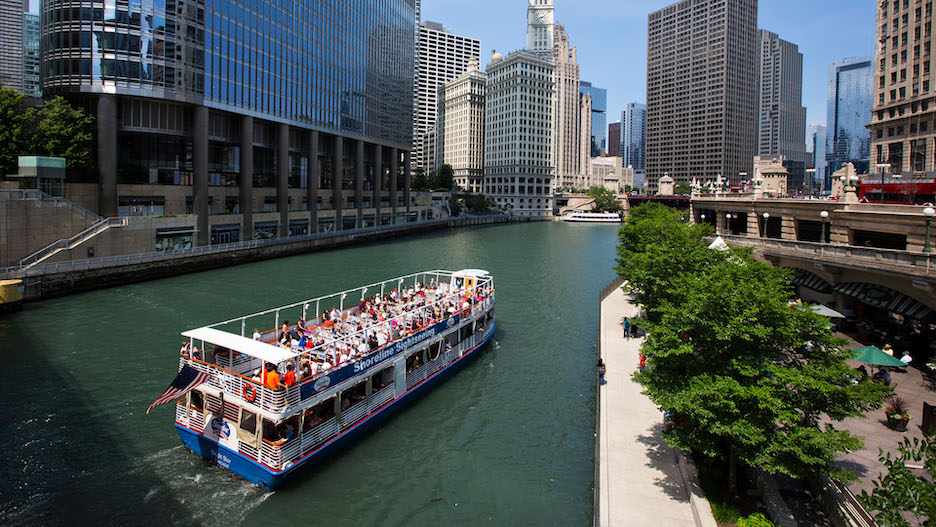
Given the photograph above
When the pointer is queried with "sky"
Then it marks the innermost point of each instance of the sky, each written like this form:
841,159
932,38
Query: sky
611,38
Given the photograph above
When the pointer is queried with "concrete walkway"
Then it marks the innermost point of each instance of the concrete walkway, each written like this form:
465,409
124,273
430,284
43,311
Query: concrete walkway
639,480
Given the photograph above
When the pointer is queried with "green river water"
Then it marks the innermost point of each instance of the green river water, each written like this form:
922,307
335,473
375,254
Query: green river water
509,440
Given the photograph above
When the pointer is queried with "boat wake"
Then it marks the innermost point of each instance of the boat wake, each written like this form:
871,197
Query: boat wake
208,495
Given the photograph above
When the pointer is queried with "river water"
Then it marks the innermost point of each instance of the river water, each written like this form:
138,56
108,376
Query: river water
509,440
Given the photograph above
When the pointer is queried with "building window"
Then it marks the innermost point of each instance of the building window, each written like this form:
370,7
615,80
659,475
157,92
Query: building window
895,156
174,239
918,155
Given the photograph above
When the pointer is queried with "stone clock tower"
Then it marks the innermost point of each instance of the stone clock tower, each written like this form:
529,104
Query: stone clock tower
540,26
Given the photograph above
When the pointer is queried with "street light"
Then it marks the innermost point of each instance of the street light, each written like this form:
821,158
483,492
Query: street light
885,167
928,212
825,216
728,223
764,228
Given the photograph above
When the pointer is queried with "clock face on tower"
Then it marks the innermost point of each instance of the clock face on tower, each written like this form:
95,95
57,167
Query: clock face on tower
539,17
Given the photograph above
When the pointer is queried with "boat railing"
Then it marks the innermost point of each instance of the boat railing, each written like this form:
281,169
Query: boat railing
381,397
319,434
354,413
193,418
235,385
276,456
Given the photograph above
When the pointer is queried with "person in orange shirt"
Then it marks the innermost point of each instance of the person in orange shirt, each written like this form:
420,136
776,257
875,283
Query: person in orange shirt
290,378
272,379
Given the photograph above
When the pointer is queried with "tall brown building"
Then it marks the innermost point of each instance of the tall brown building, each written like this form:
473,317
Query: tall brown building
902,121
701,96
614,139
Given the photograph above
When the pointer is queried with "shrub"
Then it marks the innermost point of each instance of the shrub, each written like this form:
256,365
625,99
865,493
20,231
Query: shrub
755,520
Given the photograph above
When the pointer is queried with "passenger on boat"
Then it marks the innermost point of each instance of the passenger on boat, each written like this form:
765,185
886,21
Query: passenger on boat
300,325
256,334
272,379
290,378
184,350
284,329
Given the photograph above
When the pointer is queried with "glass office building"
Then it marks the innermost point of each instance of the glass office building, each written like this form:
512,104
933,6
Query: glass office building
849,113
599,116
293,116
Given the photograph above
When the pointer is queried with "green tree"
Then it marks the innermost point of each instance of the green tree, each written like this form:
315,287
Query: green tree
444,177
682,189
605,200
419,180
727,356
901,493
16,130
477,203
65,131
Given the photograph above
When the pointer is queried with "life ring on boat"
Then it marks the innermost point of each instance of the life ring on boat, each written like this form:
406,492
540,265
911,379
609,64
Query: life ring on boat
250,393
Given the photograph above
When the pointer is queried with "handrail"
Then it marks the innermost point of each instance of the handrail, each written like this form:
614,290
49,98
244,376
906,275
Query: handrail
925,262
70,243
31,193
141,258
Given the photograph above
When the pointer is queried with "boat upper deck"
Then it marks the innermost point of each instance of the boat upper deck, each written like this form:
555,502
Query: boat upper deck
335,335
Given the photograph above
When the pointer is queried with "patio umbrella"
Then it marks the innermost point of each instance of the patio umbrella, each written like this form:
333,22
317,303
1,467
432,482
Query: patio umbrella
874,355
818,309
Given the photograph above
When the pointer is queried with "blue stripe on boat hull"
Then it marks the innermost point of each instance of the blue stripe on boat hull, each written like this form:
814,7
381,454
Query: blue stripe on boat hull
265,478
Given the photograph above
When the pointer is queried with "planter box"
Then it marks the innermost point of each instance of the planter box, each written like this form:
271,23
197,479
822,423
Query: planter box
897,423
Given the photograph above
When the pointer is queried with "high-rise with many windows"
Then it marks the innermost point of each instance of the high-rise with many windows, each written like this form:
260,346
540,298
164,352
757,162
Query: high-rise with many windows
848,115
518,168
31,58
599,117
11,42
264,118
633,142
781,118
700,95
903,121
461,119
443,56
614,139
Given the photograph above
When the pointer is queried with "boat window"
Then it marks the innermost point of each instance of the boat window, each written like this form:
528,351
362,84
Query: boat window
198,400
248,421
319,413
278,433
434,350
382,379
414,361
464,332
354,395
451,339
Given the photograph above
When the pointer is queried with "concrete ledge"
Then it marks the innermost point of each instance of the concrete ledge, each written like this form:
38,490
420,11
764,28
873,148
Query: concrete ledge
777,508
701,509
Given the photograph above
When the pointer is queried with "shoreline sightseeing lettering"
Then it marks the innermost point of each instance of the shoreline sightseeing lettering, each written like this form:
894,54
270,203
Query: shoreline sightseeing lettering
230,410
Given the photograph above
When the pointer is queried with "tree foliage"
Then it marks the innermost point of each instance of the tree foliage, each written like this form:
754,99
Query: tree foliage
16,130
477,203
605,200
900,493
727,356
419,179
682,189
65,131
444,177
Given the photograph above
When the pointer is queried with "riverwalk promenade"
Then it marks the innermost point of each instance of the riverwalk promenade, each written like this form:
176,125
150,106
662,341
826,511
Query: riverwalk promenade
639,478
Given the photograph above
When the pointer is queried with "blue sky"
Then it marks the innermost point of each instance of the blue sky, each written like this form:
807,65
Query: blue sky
611,36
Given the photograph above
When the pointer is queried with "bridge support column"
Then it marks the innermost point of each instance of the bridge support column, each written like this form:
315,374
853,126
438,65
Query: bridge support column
753,226
721,223
787,228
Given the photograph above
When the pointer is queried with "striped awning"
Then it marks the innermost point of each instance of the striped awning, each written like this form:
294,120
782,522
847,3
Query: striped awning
887,299
811,281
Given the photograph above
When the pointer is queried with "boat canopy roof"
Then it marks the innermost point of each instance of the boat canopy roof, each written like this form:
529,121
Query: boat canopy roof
248,346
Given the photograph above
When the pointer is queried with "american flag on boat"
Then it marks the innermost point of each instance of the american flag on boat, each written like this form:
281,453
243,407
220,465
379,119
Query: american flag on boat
187,380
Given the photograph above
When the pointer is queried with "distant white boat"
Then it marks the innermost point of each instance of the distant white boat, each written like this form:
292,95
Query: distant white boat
591,217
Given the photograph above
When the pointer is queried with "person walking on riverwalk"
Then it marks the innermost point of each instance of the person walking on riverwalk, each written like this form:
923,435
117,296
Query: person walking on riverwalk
627,329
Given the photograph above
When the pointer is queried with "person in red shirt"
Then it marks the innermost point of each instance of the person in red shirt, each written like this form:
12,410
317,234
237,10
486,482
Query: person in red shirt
290,378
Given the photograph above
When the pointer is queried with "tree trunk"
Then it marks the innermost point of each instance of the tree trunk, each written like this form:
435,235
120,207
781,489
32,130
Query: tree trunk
732,473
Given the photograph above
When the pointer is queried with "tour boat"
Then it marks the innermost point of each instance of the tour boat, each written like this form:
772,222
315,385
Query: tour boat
591,217
425,327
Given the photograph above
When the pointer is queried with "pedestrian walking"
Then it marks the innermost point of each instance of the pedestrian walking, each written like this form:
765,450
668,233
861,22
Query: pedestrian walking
627,329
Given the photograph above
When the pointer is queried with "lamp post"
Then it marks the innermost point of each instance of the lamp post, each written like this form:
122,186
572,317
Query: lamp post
764,228
811,174
728,223
703,217
883,167
928,212
825,216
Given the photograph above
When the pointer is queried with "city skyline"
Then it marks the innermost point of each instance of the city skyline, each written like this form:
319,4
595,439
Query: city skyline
833,31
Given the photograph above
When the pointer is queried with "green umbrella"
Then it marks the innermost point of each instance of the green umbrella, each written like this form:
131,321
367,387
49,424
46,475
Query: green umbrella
874,355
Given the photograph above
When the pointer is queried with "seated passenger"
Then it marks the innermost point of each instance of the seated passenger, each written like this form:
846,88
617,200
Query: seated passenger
272,379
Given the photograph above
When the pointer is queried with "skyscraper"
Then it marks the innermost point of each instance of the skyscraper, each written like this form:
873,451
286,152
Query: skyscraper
902,132
816,146
461,119
781,120
633,142
303,111
442,57
599,119
11,42
700,95
570,124
614,139
849,112
540,31
518,168
31,58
